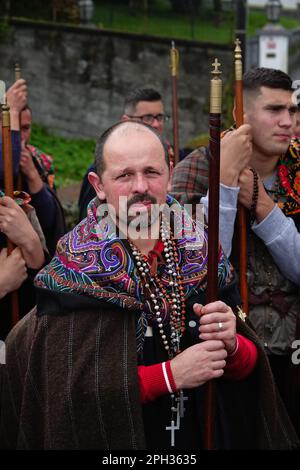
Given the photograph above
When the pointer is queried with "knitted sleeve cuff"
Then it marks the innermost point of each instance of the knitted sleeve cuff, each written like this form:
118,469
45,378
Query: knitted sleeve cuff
241,362
155,380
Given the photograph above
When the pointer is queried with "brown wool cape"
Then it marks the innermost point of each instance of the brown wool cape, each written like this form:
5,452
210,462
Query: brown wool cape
70,382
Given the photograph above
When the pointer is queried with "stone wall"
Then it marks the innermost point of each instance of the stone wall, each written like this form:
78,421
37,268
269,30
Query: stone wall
78,76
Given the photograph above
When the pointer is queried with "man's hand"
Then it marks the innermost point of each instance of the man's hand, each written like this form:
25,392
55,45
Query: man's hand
13,222
236,151
16,99
217,322
17,95
264,203
28,169
13,271
16,226
198,364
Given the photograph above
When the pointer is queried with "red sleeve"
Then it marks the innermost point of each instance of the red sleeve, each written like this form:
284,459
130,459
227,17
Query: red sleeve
241,363
155,380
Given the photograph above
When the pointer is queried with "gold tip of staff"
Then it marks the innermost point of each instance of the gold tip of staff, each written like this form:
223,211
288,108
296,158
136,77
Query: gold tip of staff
216,88
174,61
237,50
215,72
238,60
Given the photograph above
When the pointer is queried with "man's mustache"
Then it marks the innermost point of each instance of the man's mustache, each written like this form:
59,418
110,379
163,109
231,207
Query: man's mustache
141,198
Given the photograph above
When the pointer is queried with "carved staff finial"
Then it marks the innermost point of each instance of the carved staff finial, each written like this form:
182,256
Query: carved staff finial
216,89
216,64
237,43
238,60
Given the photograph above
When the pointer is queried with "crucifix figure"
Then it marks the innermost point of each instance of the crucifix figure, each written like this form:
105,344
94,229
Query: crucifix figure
173,428
175,418
180,400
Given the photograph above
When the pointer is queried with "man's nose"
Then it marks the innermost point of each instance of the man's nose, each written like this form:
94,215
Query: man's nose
156,124
287,119
140,184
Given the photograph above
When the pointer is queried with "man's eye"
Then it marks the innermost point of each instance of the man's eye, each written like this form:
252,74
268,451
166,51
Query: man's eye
124,175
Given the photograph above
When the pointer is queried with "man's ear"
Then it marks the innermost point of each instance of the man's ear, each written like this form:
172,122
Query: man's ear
96,182
124,117
170,176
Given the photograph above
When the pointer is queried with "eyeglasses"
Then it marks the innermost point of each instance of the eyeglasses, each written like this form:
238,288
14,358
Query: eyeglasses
149,118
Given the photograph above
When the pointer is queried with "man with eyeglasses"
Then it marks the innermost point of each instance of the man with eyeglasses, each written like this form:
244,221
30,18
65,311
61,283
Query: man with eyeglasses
143,105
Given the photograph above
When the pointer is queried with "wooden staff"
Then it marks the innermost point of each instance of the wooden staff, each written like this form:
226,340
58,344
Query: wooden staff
213,226
20,176
174,74
9,190
242,215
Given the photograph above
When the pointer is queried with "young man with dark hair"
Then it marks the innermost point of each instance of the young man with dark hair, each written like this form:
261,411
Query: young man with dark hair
260,168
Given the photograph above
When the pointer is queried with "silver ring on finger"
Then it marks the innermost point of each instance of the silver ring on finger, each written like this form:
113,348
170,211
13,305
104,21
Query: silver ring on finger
220,325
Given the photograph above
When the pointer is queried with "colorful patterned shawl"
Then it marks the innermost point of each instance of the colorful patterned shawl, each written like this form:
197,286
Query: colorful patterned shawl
289,178
92,260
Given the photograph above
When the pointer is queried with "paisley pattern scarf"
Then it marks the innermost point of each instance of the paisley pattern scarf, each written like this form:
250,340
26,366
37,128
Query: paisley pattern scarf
92,260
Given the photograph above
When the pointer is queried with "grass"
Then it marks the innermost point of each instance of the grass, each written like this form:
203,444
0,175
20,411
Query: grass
71,156
165,23
161,21
258,19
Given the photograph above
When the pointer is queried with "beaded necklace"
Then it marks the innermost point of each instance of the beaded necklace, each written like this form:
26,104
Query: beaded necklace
154,289
157,293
